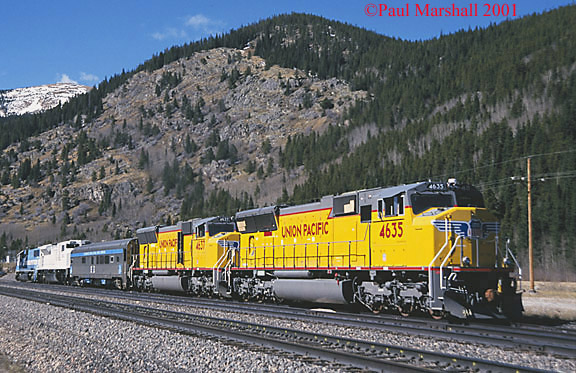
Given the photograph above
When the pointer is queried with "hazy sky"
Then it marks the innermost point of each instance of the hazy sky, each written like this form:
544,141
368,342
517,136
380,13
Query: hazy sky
43,42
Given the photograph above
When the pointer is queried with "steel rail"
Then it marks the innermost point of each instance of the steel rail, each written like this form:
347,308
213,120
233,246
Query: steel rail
555,342
365,355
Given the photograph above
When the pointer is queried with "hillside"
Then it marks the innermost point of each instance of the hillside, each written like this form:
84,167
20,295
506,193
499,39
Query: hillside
216,120
296,107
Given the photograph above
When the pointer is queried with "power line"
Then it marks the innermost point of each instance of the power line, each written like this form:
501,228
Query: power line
552,153
523,158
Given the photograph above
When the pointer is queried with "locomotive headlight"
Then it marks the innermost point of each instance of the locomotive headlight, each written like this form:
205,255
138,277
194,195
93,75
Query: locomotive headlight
466,262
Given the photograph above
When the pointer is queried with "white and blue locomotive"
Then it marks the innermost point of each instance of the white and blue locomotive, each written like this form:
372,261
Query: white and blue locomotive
48,263
26,263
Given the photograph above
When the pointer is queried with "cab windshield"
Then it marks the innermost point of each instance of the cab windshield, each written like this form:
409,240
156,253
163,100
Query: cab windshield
215,228
425,201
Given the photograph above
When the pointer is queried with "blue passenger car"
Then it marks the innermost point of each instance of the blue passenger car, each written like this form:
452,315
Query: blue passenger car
102,263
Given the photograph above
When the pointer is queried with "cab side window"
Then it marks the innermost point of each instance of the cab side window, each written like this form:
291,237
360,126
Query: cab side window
201,231
391,206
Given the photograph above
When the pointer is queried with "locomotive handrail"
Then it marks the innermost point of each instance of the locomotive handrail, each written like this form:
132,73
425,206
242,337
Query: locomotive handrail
442,286
227,270
305,243
509,252
215,268
430,282
291,256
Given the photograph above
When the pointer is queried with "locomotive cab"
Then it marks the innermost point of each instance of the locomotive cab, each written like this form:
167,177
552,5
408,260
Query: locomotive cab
465,272
22,269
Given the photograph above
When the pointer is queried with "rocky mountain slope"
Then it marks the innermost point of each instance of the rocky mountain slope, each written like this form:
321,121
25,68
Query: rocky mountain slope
185,114
32,100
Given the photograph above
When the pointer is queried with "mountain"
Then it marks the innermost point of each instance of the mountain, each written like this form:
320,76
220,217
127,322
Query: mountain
213,121
37,99
295,107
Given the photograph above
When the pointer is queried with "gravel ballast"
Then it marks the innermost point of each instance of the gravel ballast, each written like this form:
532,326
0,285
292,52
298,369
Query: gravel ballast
43,338
80,341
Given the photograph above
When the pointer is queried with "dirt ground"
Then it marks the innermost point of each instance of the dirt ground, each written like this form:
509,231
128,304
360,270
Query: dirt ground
7,366
555,300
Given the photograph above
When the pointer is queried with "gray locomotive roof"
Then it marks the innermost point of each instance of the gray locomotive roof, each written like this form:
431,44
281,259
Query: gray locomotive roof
202,221
326,201
169,228
195,222
109,245
146,230
258,211
391,191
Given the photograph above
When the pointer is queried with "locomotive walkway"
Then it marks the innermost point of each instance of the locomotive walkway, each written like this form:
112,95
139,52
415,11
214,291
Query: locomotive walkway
344,351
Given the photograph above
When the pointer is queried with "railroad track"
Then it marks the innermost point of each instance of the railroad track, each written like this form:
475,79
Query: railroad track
346,353
554,341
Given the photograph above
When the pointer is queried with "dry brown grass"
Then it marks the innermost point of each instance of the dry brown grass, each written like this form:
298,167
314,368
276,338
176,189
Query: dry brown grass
551,299
7,366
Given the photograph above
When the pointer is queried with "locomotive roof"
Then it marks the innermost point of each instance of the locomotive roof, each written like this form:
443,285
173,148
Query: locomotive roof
326,201
184,225
199,222
257,211
146,229
118,244
169,228
391,191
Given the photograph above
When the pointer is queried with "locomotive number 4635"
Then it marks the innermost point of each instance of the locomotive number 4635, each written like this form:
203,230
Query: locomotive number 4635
392,230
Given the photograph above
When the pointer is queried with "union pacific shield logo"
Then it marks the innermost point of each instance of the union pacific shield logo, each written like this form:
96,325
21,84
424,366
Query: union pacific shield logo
229,244
461,228
474,228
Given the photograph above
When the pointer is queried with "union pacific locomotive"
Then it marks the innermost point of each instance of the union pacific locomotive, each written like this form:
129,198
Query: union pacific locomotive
429,247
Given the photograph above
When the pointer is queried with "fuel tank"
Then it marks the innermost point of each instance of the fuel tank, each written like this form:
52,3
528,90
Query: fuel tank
169,283
314,290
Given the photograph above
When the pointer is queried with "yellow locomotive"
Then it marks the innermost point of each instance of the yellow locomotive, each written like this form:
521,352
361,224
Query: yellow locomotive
425,246
182,257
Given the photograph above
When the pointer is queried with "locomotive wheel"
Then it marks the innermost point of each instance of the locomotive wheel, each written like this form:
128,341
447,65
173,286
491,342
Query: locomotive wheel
405,310
436,315
377,308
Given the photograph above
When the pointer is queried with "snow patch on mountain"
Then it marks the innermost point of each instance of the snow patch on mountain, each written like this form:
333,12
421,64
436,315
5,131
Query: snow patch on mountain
36,99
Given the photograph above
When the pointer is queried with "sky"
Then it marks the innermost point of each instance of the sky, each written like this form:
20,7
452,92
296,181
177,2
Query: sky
84,41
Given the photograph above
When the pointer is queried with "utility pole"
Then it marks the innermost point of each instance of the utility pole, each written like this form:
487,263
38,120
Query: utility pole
530,248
